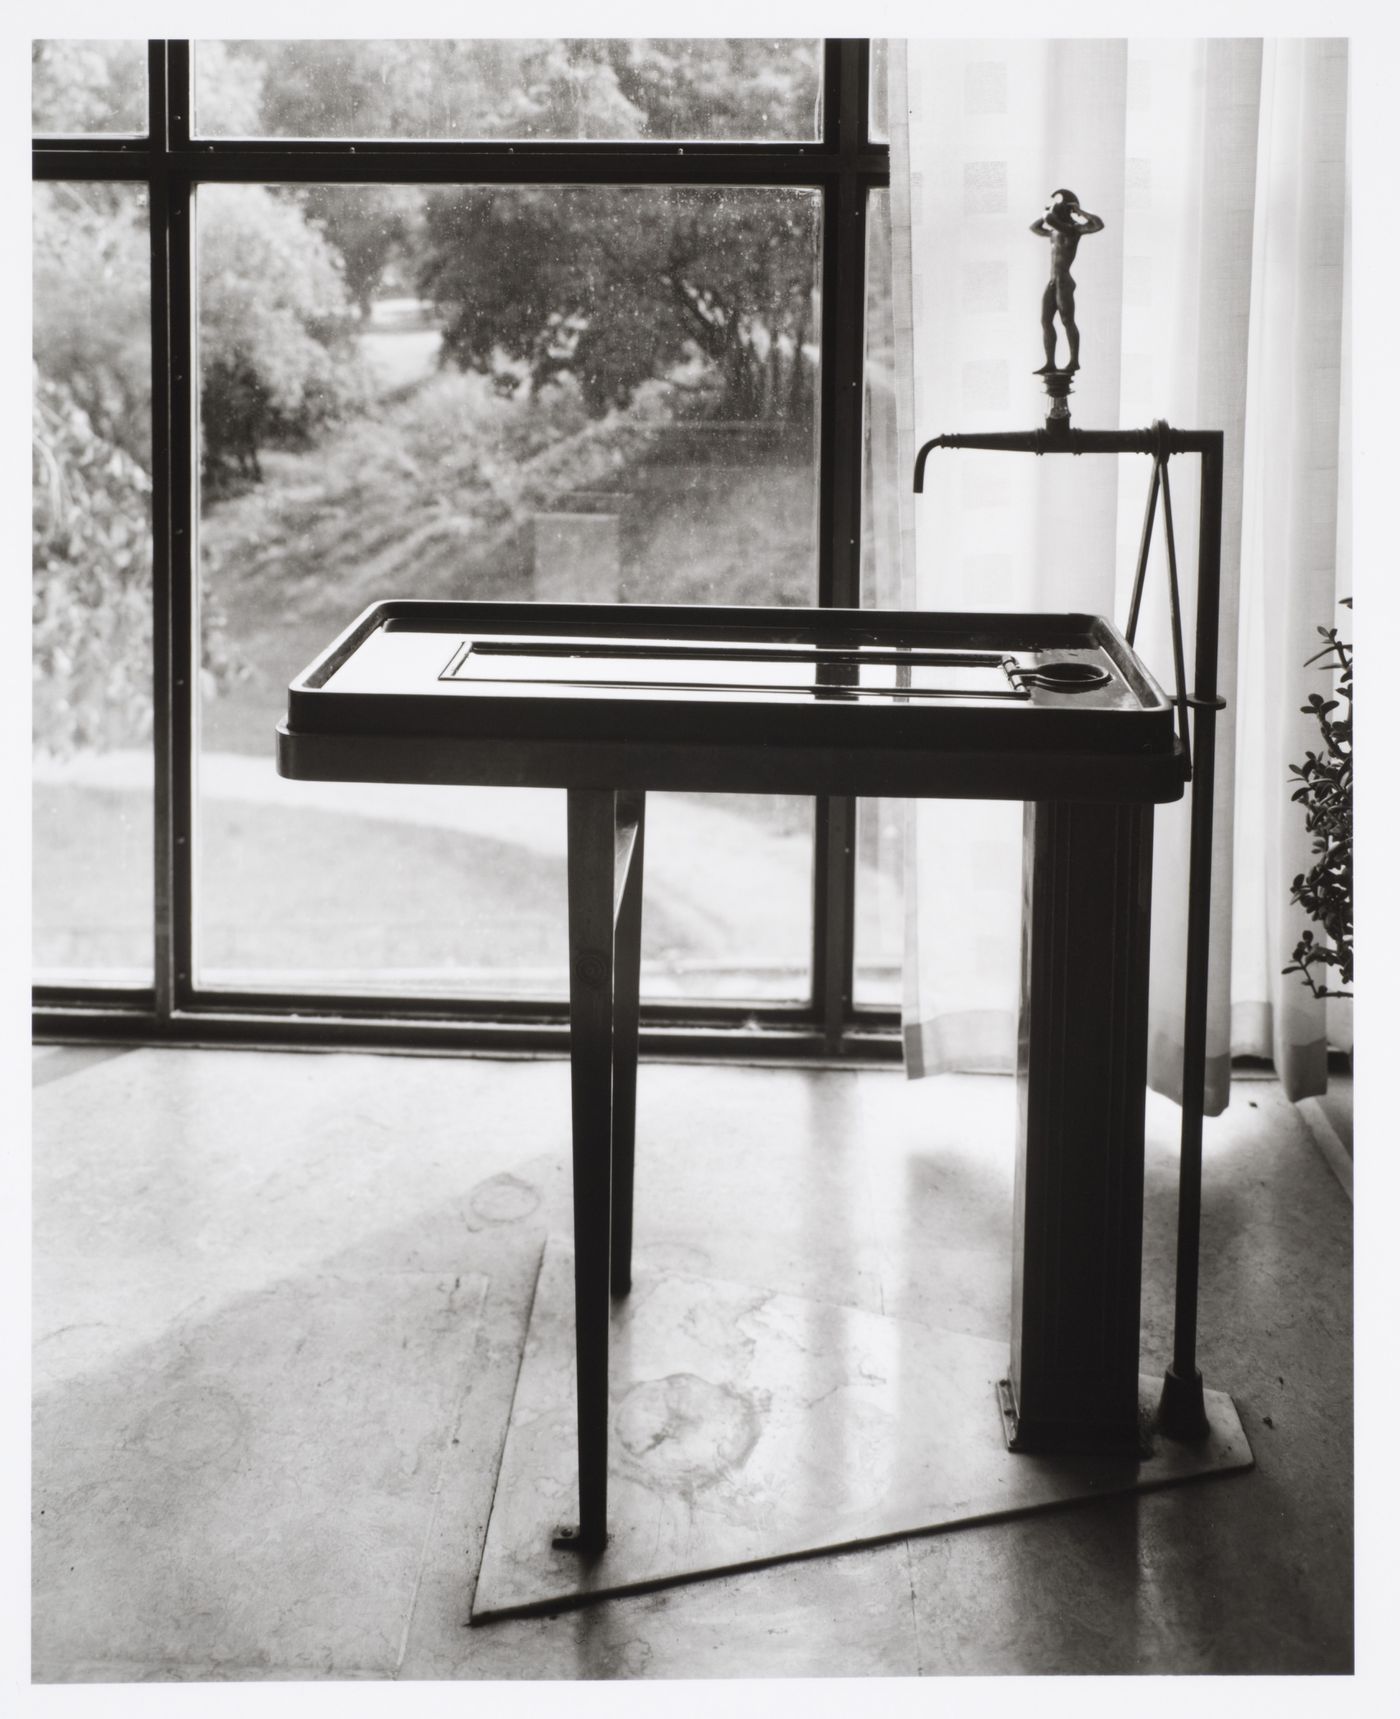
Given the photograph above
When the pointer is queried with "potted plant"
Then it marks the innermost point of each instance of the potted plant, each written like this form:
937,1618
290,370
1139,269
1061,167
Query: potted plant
1324,890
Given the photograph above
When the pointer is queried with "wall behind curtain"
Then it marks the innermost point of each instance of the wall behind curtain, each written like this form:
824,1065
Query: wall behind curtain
1214,299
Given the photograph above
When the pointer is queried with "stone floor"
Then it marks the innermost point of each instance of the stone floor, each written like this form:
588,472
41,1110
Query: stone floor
279,1306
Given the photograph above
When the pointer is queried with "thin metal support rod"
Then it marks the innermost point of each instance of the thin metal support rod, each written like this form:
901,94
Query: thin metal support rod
1144,549
1183,719
1182,1412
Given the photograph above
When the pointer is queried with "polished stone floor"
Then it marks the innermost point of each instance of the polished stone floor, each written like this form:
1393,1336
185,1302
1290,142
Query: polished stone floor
279,1308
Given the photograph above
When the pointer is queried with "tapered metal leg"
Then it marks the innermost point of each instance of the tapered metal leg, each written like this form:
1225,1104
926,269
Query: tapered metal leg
592,864
627,961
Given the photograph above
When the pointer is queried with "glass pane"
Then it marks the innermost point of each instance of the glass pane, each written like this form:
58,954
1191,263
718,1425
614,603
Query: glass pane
879,90
879,964
879,549
81,88
880,823
673,89
92,712
727,909
583,393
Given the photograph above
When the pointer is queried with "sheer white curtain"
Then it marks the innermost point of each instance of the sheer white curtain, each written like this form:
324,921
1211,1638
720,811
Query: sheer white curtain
1213,298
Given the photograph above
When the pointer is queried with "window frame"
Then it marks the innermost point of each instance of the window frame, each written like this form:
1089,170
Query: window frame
844,165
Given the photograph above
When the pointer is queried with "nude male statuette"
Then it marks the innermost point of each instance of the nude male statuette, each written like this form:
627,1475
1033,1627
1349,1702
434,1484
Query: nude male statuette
1064,231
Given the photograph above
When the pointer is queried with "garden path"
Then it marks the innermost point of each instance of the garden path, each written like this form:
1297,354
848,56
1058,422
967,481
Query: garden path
692,839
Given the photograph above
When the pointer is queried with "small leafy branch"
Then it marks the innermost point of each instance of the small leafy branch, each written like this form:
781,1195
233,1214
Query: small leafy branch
1325,791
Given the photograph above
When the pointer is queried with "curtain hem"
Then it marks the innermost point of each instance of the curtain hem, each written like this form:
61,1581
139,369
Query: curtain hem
969,1041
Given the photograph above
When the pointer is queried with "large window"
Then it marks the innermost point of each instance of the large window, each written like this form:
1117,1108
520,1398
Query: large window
524,319
92,710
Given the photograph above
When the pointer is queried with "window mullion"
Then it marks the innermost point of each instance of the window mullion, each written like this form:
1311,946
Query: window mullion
174,473
843,347
162,583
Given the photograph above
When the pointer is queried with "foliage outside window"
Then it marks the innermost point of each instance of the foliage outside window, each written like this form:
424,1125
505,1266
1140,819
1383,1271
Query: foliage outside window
87,87
599,89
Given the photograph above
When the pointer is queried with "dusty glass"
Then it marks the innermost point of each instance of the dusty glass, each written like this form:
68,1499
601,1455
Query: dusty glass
677,90
879,90
582,393
880,823
879,954
84,88
92,709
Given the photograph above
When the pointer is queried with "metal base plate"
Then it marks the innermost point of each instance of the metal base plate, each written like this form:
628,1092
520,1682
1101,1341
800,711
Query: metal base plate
749,1428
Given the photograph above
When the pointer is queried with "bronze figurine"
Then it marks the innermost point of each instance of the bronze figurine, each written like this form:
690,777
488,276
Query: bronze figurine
1059,225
